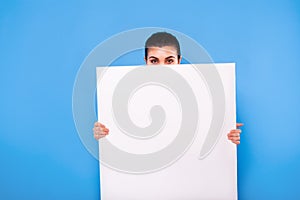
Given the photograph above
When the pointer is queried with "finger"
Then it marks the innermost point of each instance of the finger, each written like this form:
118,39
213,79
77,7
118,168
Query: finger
236,131
100,129
105,130
239,124
98,124
104,133
97,129
234,135
100,135
97,137
235,140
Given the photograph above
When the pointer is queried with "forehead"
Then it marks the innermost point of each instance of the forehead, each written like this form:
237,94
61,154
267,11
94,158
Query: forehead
162,51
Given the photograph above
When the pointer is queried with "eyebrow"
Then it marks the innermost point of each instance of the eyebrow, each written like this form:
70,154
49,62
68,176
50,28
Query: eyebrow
165,58
169,57
153,57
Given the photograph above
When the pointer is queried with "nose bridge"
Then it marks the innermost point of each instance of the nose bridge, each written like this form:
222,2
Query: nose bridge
160,60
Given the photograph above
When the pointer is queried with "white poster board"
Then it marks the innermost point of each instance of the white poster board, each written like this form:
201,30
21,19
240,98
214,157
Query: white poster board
168,132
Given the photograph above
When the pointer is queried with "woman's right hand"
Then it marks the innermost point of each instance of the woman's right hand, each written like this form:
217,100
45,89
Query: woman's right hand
100,130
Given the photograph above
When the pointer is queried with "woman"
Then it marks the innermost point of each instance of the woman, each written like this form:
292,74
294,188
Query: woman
163,49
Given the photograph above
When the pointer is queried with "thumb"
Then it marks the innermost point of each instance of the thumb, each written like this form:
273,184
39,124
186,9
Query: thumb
239,125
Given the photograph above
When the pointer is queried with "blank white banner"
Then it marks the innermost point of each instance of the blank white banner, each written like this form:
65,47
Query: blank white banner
168,132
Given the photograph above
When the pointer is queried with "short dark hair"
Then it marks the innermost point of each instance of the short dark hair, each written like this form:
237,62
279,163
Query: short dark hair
161,39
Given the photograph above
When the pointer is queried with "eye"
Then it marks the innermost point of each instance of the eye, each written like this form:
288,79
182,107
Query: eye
170,61
153,61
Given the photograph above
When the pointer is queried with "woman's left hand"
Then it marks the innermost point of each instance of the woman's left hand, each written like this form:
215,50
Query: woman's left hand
234,135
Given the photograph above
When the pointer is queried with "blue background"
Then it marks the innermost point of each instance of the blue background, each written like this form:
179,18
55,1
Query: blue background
43,43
